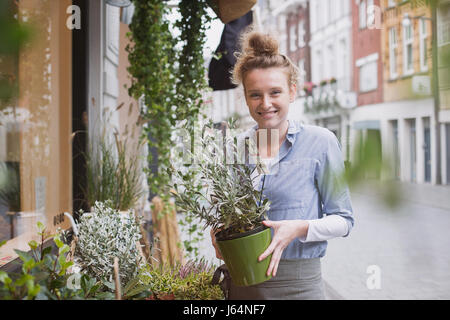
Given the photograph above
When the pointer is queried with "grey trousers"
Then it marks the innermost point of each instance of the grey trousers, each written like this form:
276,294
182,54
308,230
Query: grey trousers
295,280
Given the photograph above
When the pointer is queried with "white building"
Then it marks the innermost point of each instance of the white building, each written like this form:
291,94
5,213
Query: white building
331,58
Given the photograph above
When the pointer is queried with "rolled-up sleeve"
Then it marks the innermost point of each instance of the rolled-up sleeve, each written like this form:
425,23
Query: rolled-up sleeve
331,184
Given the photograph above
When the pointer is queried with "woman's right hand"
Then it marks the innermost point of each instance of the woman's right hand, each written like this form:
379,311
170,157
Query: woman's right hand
214,243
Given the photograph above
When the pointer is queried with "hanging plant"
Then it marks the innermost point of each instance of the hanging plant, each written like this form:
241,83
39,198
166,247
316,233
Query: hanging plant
170,82
151,54
191,80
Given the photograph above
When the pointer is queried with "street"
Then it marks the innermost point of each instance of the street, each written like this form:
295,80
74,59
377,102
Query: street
400,253
391,253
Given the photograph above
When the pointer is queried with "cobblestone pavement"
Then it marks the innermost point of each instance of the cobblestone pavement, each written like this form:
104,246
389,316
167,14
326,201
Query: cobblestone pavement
408,247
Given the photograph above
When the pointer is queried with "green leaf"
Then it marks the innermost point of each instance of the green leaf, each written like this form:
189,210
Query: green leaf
33,244
45,251
40,226
58,241
4,277
65,248
24,256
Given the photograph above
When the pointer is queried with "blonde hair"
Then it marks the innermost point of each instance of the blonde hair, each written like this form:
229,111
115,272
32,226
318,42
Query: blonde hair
261,51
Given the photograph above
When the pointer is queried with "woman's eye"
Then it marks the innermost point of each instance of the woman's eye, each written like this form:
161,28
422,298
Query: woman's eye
254,95
275,92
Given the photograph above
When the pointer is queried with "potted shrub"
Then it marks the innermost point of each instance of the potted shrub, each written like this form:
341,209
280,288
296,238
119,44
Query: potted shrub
182,281
228,202
104,234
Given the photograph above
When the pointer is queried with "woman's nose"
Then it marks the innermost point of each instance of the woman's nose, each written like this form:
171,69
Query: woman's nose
266,102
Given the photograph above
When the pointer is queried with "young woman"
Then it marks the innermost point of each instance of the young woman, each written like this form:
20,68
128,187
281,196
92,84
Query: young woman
309,202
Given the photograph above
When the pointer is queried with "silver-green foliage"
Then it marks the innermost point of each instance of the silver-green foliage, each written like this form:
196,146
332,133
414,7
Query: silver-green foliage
227,198
104,234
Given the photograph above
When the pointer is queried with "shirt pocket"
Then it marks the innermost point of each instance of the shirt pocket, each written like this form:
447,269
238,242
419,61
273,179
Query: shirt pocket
293,183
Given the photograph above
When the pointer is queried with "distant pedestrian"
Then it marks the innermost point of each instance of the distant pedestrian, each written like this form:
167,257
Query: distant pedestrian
309,202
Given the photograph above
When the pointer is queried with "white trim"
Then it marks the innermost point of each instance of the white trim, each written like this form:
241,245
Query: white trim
370,58
423,36
405,51
95,63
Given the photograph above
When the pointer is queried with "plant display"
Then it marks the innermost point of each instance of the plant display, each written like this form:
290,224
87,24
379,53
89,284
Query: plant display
168,79
104,234
44,275
228,199
189,281
113,172
9,186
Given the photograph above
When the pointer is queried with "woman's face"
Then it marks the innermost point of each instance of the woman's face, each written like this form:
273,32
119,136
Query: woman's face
268,95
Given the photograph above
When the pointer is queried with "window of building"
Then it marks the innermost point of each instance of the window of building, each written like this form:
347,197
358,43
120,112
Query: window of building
301,34
393,50
408,39
35,128
302,75
292,38
362,14
319,64
370,13
368,77
331,61
443,24
330,6
391,3
423,34
318,15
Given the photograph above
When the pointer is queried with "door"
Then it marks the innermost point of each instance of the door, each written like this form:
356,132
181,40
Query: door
427,148
447,144
412,146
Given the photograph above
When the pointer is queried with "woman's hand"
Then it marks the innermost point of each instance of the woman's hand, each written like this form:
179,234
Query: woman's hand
214,243
284,232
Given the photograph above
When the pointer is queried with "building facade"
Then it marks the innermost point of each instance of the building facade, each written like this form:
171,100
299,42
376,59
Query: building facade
443,39
70,76
407,114
332,98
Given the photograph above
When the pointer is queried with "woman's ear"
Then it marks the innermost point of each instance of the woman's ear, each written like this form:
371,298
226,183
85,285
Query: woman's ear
292,92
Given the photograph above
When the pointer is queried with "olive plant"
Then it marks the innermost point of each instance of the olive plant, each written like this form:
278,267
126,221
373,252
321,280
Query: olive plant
227,198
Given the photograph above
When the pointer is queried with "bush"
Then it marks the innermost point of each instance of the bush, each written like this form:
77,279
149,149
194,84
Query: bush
104,234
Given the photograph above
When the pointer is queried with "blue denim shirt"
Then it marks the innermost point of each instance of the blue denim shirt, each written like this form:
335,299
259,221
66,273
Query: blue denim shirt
305,183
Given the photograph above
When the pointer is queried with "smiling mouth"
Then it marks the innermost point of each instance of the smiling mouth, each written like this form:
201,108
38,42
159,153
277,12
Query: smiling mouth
268,114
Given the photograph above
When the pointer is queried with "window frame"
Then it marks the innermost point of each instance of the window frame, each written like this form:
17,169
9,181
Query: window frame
406,43
393,50
423,45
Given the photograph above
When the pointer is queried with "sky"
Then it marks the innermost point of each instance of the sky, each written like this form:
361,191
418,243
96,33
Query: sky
213,33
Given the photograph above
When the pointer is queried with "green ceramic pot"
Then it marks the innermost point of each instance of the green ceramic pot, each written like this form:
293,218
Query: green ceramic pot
241,256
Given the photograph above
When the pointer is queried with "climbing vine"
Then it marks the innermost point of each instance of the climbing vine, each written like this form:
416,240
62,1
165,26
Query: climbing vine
152,54
171,83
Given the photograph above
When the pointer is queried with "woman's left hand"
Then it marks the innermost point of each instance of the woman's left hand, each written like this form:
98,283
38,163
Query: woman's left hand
284,232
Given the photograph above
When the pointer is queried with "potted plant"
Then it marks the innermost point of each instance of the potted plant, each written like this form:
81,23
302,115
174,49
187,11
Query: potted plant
182,281
228,202
104,234
9,192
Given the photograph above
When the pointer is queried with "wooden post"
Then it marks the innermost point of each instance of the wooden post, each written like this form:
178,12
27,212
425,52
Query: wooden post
117,279
167,235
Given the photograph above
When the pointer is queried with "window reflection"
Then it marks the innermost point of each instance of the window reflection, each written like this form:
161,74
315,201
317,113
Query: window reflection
35,164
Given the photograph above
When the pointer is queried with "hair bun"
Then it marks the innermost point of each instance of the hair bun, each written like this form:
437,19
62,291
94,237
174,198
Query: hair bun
261,44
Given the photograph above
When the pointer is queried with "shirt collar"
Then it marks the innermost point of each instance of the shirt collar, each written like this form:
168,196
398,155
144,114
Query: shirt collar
293,128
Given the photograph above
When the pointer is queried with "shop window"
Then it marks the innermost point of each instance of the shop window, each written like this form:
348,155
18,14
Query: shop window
35,127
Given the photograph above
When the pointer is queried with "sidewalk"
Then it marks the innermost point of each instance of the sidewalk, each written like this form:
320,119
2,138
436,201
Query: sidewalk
407,245
437,196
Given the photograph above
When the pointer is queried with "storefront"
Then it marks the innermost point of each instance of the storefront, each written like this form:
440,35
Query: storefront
35,127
